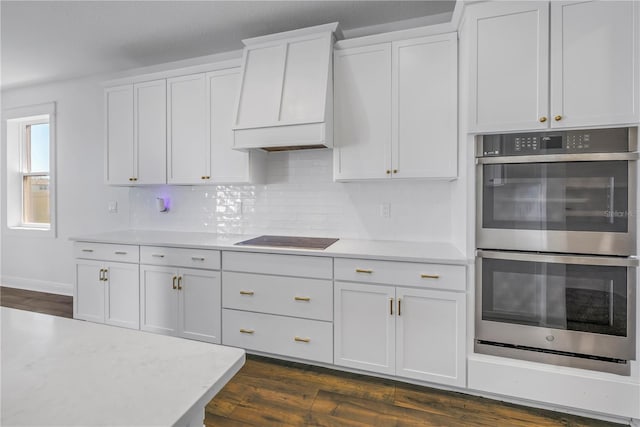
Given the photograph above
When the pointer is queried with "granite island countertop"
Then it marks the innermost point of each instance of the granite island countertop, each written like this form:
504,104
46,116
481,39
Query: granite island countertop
428,252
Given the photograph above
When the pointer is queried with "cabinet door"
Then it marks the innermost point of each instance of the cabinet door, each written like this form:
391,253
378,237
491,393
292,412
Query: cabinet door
150,131
118,108
88,296
122,295
509,66
430,341
364,327
227,165
187,127
362,112
594,63
199,305
425,107
159,300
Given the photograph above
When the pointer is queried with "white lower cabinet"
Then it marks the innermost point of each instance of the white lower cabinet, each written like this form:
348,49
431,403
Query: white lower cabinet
416,333
179,301
278,304
107,292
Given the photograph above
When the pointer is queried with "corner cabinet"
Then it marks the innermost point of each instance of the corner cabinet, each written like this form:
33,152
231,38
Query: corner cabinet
180,292
536,65
106,286
135,133
402,319
396,107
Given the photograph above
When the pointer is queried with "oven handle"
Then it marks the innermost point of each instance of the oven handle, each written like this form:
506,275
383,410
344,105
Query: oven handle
560,259
552,158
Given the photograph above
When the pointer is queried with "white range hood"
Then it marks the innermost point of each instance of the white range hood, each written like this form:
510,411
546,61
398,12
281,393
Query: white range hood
286,93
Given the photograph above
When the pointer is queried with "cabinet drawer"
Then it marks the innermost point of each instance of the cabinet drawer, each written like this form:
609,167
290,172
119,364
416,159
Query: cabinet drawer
286,336
106,252
289,296
285,265
180,257
436,276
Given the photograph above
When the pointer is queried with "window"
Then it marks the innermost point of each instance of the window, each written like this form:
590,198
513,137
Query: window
30,146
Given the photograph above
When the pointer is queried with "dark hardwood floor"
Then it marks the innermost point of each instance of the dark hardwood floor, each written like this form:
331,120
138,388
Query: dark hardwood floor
268,392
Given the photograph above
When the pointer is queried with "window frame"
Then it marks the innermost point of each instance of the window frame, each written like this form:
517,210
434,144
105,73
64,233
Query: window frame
14,148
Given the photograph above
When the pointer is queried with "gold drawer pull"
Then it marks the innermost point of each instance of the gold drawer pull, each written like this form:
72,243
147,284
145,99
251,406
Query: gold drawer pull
246,331
302,298
197,258
430,276
361,270
298,339
120,253
391,306
179,283
87,250
173,286
157,255
246,292
557,118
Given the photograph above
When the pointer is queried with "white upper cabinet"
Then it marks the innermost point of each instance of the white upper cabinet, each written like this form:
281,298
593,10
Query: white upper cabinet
187,130
150,131
396,109
362,127
135,120
594,63
286,84
119,168
226,164
539,67
425,107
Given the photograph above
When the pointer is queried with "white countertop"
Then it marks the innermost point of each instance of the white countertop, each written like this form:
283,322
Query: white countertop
434,252
65,372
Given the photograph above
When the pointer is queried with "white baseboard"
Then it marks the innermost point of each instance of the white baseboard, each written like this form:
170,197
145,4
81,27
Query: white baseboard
37,285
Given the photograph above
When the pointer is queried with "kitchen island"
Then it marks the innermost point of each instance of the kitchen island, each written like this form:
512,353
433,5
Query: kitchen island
58,371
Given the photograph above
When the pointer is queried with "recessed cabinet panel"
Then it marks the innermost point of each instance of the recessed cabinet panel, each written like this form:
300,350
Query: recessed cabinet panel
511,59
150,130
594,63
159,311
259,101
365,327
122,295
88,298
199,305
188,136
424,122
119,134
305,80
362,111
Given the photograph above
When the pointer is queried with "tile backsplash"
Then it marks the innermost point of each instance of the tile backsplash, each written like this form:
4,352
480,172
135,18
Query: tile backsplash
300,197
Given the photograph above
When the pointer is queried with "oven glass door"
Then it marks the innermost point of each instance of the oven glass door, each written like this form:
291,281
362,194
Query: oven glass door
564,196
573,297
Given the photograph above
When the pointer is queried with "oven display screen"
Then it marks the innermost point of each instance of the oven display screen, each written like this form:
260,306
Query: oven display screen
551,142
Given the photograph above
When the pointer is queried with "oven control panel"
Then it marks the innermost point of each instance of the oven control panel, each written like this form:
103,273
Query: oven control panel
559,142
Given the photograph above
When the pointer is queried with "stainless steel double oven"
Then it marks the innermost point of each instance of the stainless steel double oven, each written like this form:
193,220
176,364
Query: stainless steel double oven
556,238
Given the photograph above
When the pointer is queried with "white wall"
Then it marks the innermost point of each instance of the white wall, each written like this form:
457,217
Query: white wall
46,263
300,197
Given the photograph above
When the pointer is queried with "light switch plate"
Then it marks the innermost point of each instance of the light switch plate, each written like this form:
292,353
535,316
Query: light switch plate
113,207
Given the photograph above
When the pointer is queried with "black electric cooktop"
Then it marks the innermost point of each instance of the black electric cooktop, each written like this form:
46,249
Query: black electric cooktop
290,242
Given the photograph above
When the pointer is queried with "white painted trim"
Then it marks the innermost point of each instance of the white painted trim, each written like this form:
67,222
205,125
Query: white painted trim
396,35
37,285
333,27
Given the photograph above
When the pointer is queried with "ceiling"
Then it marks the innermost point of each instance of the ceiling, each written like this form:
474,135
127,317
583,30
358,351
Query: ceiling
44,41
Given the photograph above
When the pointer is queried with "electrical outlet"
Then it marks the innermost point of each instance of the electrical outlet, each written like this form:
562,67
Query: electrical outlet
385,210
113,207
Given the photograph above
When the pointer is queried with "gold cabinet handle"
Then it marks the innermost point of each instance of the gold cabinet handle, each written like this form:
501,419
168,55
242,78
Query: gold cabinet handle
388,171
101,275
362,270
106,274
430,276
132,179
399,307
157,255
298,339
120,252
246,331
205,177
302,298
391,306
174,282
557,118
395,171
246,292
542,119
197,258
179,283
87,250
